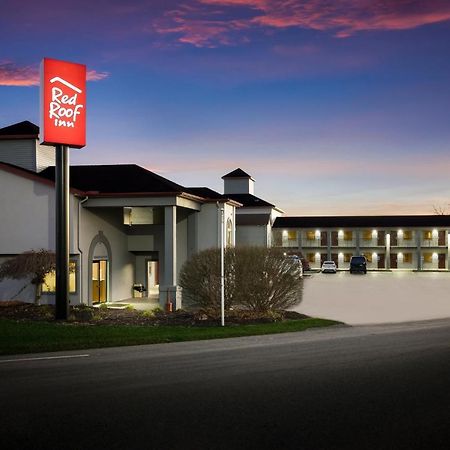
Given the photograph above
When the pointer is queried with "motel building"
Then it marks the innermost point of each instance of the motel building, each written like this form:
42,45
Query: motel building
387,242
131,227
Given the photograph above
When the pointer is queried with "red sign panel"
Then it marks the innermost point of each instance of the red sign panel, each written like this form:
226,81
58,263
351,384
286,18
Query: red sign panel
63,103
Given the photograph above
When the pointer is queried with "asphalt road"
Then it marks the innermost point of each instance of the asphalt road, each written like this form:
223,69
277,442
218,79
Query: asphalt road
371,387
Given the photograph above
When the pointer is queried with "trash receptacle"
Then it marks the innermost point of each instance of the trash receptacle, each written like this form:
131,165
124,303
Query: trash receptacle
138,290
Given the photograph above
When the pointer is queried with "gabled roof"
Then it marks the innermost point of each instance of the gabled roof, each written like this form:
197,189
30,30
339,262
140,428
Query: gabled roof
118,178
238,173
20,130
250,200
362,221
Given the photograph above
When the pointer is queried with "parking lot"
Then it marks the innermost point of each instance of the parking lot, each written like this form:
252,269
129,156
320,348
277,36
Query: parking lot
378,297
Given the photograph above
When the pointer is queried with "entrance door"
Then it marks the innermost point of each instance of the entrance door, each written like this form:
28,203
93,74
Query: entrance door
381,260
99,280
393,260
152,277
441,262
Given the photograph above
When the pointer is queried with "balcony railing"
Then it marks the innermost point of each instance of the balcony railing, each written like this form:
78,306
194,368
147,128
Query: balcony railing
432,243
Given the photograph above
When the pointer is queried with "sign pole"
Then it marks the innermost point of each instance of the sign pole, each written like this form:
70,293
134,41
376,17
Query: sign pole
62,233
63,125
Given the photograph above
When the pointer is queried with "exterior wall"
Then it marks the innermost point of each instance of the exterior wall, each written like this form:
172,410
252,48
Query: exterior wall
20,152
239,186
45,157
207,231
209,222
252,235
107,222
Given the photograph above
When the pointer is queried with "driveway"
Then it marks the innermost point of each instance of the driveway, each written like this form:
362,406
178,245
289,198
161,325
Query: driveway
378,297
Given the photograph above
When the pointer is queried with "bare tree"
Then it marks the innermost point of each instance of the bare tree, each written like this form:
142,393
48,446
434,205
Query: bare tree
34,264
440,210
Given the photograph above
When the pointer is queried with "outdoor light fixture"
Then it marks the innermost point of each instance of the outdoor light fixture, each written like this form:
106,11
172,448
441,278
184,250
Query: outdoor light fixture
374,234
400,233
341,234
317,233
434,233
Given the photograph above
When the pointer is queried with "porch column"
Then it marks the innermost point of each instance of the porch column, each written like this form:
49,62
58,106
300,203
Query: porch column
419,250
329,245
388,250
169,291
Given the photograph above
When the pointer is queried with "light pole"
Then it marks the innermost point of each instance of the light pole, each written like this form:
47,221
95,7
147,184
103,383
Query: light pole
222,266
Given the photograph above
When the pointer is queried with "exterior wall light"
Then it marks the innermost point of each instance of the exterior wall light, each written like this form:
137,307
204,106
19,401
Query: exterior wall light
317,234
374,234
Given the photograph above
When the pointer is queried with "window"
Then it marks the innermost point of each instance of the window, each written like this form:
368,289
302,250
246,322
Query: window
311,235
229,233
368,257
407,235
407,258
292,235
427,235
311,257
348,235
347,256
367,235
49,284
428,257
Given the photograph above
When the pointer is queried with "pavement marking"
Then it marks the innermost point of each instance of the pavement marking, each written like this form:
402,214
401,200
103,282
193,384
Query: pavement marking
43,358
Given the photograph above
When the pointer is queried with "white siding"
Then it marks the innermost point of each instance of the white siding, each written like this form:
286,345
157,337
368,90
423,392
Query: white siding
45,157
20,152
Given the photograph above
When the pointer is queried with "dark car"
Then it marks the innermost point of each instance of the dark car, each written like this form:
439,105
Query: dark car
358,264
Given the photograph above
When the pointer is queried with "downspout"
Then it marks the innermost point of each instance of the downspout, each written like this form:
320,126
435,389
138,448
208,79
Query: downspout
85,199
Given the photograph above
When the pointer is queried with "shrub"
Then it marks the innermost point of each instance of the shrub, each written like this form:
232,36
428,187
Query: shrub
266,280
256,278
200,280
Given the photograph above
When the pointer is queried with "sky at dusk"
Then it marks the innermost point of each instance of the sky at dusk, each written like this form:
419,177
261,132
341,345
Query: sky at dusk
333,106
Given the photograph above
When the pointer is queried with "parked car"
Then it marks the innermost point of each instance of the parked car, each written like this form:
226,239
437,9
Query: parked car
329,267
358,264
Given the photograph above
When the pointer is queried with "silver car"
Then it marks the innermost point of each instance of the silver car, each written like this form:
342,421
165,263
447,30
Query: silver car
329,267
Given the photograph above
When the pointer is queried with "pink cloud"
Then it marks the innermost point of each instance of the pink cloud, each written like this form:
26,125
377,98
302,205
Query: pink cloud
13,75
208,23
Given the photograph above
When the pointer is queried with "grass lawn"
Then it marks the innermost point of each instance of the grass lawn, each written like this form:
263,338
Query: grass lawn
32,337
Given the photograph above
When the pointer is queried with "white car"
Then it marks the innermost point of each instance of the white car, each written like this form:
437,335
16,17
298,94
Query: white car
329,266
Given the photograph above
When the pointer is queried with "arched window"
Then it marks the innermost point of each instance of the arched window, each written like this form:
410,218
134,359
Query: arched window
229,240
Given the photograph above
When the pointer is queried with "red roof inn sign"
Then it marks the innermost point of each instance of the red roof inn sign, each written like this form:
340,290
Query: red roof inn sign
63,103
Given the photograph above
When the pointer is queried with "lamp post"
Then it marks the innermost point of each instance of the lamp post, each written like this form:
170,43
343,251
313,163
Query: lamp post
222,267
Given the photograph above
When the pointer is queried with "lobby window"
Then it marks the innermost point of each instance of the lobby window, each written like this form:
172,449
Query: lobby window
229,233
348,235
407,258
49,284
347,257
427,235
311,257
368,257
